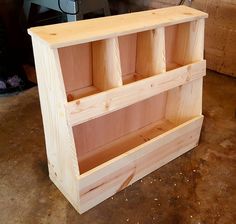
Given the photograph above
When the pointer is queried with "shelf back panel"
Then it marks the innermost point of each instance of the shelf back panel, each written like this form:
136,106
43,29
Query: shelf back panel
170,35
76,66
127,45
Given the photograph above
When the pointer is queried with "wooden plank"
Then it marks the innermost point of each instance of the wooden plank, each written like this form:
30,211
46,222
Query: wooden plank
106,64
61,152
105,180
151,52
66,34
103,103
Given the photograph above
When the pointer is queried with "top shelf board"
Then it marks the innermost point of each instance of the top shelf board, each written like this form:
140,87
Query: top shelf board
72,33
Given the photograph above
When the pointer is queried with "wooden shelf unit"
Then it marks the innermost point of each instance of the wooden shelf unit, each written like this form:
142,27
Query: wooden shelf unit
120,97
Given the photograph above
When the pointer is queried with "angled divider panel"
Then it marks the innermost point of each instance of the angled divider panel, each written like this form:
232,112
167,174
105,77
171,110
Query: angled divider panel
151,52
184,102
106,64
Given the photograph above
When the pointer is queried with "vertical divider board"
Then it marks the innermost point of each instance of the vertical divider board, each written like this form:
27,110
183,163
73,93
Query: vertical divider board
120,97
151,52
106,64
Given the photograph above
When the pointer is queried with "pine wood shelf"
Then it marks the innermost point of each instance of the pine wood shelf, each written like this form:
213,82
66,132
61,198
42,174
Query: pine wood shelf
120,97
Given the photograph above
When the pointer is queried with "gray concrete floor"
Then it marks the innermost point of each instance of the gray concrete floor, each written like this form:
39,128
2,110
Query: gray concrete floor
198,187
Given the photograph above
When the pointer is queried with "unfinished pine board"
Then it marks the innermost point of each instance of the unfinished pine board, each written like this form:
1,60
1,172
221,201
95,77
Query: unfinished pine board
151,52
61,151
120,101
106,64
56,36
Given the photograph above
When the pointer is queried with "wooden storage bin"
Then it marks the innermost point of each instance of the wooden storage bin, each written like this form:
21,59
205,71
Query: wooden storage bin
120,97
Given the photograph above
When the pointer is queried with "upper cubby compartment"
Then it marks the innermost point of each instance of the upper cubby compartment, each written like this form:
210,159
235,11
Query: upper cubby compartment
105,64
90,68
76,66
142,54
96,60
184,43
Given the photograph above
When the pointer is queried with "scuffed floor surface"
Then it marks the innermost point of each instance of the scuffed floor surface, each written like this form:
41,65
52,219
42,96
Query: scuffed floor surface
197,188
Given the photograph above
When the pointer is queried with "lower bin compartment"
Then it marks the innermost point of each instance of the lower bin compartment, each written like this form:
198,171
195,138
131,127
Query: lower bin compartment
124,144
149,149
94,137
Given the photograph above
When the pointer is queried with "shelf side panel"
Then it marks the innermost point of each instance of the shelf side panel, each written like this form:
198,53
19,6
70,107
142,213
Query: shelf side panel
151,52
60,147
106,64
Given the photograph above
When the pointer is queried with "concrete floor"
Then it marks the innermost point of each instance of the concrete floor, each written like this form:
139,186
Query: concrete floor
197,188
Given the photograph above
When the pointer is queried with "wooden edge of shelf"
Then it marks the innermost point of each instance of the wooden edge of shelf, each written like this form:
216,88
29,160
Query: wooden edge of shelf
107,179
67,34
90,107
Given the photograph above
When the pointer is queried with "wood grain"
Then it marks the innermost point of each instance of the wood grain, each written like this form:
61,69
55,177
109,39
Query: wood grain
67,34
76,66
106,64
151,52
61,152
